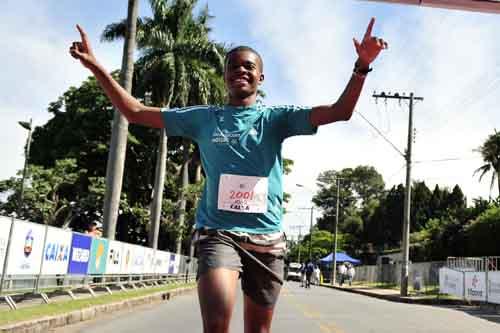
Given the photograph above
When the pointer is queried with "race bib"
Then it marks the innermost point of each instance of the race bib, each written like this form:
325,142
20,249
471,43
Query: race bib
242,194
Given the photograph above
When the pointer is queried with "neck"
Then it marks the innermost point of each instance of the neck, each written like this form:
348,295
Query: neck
242,101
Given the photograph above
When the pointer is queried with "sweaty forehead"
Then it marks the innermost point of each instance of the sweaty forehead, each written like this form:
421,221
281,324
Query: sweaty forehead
244,56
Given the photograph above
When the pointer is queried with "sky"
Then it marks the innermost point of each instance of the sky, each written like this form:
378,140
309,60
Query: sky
450,58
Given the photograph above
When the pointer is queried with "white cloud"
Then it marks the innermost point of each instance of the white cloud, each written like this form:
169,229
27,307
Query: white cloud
448,57
36,70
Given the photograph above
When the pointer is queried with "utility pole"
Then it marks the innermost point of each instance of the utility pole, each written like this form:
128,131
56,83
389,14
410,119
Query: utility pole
310,230
405,240
119,132
311,233
298,240
335,227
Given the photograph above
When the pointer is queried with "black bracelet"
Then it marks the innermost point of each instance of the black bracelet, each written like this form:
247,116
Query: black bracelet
360,71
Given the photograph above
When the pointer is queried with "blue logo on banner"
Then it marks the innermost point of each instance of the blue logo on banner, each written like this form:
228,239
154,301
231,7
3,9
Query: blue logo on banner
79,254
56,252
171,264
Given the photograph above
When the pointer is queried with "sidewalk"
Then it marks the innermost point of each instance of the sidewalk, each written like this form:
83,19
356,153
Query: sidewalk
394,295
42,324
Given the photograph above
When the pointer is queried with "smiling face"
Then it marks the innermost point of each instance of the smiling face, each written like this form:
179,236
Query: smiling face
243,75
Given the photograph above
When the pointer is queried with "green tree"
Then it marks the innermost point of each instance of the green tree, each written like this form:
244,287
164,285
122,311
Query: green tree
490,151
483,233
48,197
360,190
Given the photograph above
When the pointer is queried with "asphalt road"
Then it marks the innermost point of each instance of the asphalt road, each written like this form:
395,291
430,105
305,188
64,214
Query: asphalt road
302,310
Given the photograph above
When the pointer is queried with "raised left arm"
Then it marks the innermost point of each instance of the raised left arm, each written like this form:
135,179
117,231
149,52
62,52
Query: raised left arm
367,51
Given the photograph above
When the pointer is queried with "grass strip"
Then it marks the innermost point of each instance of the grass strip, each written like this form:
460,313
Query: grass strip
43,310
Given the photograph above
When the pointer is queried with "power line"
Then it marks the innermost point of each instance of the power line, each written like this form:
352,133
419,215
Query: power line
380,133
448,159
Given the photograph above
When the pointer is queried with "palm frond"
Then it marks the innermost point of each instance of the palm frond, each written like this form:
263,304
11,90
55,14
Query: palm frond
114,31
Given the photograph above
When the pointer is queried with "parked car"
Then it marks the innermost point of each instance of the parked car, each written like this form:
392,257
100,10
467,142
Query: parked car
293,271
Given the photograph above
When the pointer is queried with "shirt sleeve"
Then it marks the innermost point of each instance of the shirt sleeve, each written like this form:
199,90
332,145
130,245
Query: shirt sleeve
186,122
293,120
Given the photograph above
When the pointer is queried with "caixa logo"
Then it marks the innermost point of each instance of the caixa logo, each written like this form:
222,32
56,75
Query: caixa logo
56,252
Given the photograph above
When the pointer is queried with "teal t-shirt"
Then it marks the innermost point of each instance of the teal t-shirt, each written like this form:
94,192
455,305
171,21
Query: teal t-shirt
241,141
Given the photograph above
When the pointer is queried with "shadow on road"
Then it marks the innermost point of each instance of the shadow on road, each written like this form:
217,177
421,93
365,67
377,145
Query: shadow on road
476,311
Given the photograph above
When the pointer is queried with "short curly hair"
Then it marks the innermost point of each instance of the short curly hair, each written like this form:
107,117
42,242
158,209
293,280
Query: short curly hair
244,48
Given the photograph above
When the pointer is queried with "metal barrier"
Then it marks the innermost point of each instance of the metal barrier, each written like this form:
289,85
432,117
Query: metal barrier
89,284
40,260
472,278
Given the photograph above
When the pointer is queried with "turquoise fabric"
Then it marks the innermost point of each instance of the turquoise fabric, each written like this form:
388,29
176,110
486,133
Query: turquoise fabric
243,141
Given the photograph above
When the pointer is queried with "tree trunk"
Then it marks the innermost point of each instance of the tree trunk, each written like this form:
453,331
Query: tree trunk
498,182
198,173
161,162
118,145
182,199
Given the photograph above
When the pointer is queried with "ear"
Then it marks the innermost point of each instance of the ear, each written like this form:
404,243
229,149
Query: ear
261,79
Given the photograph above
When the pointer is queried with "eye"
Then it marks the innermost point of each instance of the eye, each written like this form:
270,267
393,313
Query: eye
250,65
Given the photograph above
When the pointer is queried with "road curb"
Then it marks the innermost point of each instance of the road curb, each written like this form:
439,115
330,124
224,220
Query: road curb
45,323
401,299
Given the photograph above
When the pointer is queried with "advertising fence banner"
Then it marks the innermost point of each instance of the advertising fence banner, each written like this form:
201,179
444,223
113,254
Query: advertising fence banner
174,263
475,286
126,267
451,282
98,255
25,249
149,260
79,254
162,259
137,260
56,252
115,256
5,223
494,287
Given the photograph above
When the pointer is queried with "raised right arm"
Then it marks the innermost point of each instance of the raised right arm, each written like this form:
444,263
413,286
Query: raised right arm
129,106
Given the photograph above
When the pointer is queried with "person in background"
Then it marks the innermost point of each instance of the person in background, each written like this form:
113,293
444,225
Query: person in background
309,273
350,273
317,275
342,270
94,229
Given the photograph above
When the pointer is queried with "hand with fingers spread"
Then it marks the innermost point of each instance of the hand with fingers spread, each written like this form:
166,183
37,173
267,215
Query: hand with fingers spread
82,50
369,48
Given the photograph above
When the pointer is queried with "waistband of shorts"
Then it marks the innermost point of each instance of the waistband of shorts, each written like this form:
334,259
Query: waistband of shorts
237,237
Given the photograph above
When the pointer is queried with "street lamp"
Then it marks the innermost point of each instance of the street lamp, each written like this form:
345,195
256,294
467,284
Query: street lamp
27,126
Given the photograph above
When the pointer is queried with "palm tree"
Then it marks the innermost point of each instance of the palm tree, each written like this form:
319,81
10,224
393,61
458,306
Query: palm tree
490,151
180,66
118,146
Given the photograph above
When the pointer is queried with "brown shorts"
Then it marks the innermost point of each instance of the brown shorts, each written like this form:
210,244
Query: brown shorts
256,282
